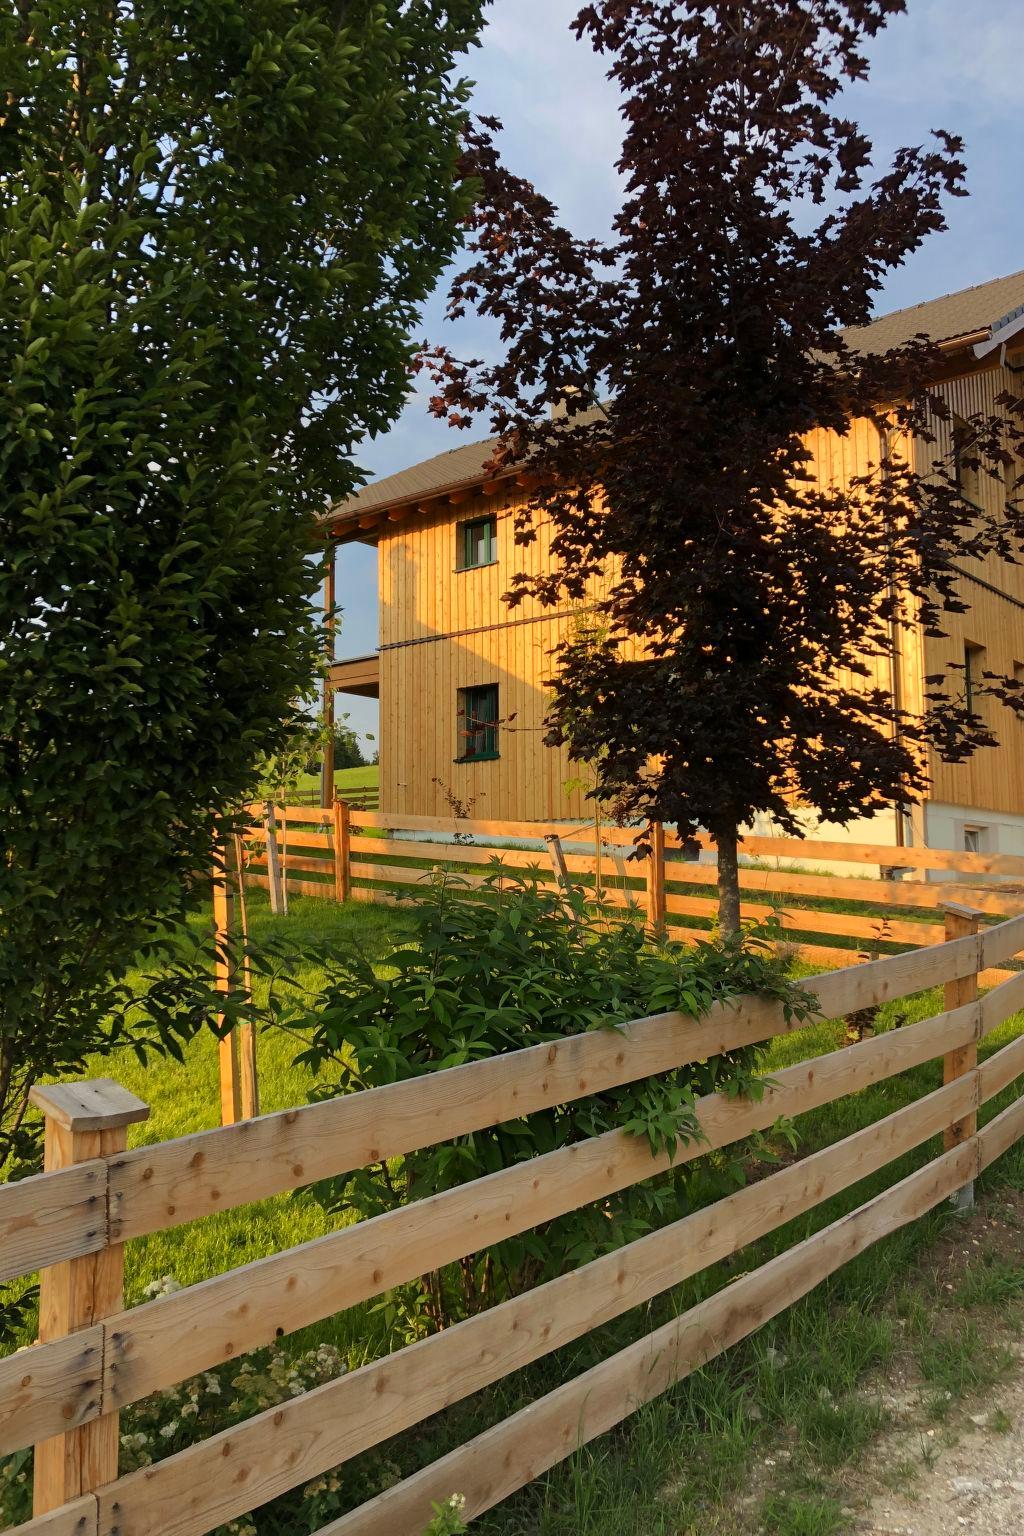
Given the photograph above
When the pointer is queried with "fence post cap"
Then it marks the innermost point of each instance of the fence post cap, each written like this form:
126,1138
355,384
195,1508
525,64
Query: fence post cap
96,1104
959,910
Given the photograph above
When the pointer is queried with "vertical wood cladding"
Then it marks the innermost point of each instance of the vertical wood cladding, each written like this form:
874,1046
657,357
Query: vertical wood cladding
444,629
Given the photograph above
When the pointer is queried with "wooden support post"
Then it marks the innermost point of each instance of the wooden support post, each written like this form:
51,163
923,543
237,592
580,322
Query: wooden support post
656,879
960,923
225,967
248,1072
558,864
83,1121
342,851
327,773
278,902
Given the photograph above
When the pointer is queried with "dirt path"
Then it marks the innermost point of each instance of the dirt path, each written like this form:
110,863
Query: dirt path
975,1484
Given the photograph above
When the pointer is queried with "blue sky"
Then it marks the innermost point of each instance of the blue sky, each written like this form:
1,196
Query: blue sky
951,64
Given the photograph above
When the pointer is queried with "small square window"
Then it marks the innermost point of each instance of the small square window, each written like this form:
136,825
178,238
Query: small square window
478,543
974,839
974,663
478,723
965,461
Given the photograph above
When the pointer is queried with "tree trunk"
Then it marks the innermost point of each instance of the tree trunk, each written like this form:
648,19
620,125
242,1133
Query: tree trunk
726,837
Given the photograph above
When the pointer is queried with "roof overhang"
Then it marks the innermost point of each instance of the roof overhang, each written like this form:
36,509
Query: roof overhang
1002,333
366,526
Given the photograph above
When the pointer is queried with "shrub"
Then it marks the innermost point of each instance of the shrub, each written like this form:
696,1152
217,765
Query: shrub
183,1415
486,972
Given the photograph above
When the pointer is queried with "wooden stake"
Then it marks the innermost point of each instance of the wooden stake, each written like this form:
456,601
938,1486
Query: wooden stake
327,772
960,923
278,903
656,879
83,1121
248,1074
225,969
342,851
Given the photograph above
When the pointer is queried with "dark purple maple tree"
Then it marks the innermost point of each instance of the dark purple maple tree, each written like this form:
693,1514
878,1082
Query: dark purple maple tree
696,349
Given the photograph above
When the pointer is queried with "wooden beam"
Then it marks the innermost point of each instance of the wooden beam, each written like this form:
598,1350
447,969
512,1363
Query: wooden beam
81,1124
330,631
962,922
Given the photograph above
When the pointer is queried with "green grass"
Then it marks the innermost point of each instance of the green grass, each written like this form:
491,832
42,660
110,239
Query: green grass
308,784
661,1472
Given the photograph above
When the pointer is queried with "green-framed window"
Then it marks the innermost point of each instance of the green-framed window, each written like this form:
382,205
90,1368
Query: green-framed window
478,723
477,543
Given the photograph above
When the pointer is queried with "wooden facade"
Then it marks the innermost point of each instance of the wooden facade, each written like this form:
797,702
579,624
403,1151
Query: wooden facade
445,629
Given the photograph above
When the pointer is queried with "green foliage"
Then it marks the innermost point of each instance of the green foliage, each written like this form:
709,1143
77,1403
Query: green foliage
482,974
184,1415
217,225
448,1518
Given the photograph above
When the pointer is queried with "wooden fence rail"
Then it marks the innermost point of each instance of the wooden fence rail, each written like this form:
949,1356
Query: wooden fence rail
96,1357
828,919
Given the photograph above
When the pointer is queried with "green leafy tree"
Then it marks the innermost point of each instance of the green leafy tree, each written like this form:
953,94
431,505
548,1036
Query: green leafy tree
217,222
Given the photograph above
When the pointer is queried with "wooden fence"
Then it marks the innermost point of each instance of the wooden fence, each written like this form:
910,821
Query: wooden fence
345,853
95,1357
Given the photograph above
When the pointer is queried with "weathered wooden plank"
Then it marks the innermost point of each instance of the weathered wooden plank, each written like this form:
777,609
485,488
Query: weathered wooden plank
278,1448
513,1453
480,856
178,1335
52,1217
883,854
1003,1001
50,1388
998,1071
294,839
796,919
881,893
1001,1133
575,831
1003,942
79,1518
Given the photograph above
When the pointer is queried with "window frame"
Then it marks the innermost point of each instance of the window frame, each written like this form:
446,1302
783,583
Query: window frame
959,426
487,729
973,653
463,535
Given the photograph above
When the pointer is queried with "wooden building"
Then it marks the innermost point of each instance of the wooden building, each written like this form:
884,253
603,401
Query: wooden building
460,676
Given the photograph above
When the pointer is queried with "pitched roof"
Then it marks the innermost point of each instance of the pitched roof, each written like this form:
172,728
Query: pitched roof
443,472
947,319
953,317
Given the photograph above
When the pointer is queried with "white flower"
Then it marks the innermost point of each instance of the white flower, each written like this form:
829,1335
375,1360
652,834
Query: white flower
167,1430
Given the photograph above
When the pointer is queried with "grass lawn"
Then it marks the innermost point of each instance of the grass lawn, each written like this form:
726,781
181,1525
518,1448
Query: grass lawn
665,1471
365,777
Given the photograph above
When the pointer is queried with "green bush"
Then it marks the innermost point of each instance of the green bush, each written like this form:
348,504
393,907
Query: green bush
487,972
184,1415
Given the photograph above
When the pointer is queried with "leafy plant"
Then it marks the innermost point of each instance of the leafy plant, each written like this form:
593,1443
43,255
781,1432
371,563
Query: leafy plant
490,971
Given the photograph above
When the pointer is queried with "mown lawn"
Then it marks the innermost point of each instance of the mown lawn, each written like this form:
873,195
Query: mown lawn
663,1473
365,777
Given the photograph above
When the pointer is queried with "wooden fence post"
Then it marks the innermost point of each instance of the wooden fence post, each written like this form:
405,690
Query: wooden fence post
83,1121
239,1092
656,878
225,971
960,923
277,894
342,851
248,1073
